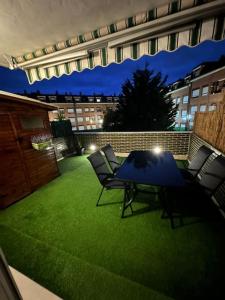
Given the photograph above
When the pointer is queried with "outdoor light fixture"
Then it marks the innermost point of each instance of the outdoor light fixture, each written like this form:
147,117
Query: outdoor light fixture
92,147
157,150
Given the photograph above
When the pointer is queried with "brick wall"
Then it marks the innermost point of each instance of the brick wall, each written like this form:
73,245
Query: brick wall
124,142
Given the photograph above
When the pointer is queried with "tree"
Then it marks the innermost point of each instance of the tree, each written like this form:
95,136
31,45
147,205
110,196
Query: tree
145,105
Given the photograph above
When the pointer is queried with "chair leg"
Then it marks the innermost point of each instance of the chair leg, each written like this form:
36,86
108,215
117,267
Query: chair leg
126,202
100,195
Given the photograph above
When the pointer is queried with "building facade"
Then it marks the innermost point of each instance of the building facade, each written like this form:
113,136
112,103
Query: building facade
84,112
199,91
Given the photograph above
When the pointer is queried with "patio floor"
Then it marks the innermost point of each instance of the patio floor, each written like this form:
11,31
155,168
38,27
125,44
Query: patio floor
59,238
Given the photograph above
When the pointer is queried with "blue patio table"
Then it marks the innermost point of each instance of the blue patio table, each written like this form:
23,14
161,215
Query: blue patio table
150,168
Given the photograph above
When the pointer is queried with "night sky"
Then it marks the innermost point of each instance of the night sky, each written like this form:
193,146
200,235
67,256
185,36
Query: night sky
108,80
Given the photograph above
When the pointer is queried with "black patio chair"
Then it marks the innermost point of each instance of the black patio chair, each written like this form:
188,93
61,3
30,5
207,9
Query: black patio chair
108,180
111,157
196,164
197,196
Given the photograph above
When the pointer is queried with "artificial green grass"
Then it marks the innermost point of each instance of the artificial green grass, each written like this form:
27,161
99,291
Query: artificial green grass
58,237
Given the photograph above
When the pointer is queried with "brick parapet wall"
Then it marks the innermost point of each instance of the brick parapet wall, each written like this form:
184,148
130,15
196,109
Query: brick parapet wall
124,142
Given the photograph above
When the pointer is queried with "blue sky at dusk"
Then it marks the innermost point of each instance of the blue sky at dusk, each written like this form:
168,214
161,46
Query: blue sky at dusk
108,80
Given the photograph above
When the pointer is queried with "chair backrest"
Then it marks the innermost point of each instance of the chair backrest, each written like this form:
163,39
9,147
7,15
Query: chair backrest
99,165
214,176
199,160
111,157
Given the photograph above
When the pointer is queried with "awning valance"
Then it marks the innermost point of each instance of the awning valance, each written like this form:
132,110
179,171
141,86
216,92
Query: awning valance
181,22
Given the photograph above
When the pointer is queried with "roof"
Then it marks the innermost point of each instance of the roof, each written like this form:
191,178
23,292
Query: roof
26,100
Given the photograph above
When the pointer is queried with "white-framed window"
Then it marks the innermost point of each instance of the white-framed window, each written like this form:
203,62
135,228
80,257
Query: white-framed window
90,99
86,109
55,111
205,90
87,119
74,128
72,120
80,119
93,126
178,114
184,115
92,109
195,93
81,127
61,109
70,110
182,126
178,100
203,107
88,127
79,110
212,107
194,109
185,99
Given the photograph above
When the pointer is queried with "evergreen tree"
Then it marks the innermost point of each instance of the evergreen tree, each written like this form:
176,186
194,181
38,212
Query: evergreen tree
145,105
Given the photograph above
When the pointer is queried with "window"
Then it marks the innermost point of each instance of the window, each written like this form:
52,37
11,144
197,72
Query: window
191,124
203,108
99,117
79,110
98,100
184,115
77,99
92,119
195,93
92,109
182,126
72,120
70,110
212,107
185,99
174,101
177,125
177,114
99,110
80,119
55,111
88,127
74,128
62,110
93,126
178,100
86,109
81,127
90,99
194,109
87,119
205,90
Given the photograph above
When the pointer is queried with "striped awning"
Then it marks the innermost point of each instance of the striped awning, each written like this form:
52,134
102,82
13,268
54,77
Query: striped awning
181,22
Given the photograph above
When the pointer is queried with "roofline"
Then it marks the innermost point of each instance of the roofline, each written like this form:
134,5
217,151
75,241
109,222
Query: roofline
195,79
26,100
84,103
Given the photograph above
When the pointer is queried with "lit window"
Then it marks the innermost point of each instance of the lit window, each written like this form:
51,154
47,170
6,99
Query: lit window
79,110
212,107
92,109
80,119
88,127
74,128
195,93
185,99
70,110
72,120
184,115
194,109
81,127
203,108
98,100
205,90
86,109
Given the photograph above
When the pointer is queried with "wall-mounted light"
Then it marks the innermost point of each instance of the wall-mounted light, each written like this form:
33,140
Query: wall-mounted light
92,147
157,150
